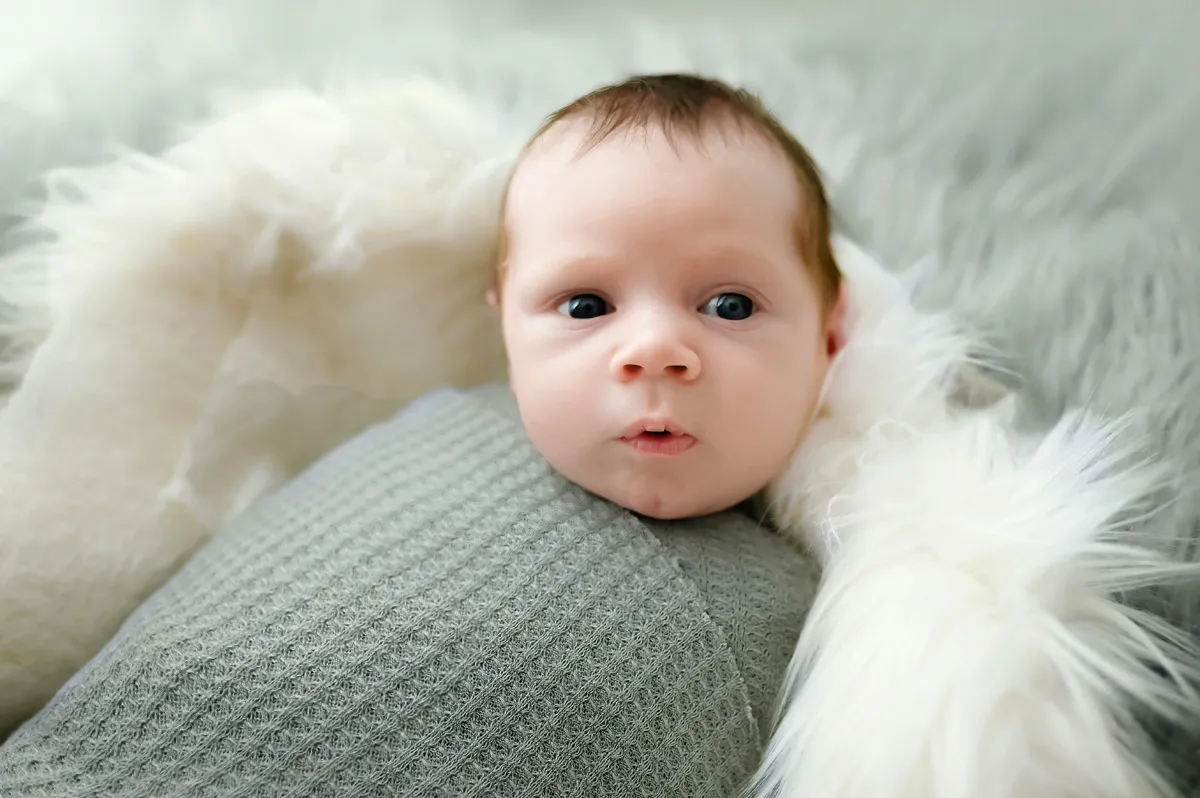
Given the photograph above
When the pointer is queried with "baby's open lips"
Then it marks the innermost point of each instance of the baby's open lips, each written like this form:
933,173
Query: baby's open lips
654,428
658,438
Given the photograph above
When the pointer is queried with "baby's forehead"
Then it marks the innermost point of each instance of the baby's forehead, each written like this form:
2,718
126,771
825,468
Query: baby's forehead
571,148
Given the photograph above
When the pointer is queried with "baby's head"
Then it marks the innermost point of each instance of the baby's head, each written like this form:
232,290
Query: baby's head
668,294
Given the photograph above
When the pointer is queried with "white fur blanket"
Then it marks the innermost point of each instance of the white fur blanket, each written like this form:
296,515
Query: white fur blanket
212,310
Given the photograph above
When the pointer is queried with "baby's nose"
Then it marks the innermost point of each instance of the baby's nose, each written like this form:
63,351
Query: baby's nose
657,356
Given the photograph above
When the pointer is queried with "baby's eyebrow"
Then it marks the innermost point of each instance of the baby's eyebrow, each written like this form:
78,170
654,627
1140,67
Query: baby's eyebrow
727,252
586,261
556,272
732,257
580,264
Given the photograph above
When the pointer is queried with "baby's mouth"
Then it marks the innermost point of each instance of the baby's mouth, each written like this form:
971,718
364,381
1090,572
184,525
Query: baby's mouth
658,438
653,426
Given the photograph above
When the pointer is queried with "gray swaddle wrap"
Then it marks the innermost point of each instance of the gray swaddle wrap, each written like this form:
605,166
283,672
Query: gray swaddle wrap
430,610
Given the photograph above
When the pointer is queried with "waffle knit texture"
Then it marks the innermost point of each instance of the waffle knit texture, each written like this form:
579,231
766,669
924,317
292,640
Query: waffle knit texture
431,611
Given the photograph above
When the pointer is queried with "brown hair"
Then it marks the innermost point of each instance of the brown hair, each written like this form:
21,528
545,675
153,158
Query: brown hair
684,104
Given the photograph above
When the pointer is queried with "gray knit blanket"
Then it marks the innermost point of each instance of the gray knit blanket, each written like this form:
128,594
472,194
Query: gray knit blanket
430,611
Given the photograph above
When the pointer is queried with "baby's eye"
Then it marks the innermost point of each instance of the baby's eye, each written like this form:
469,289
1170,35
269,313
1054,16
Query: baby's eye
584,306
732,307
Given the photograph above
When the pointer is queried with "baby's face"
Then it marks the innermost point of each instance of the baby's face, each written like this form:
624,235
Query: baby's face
665,342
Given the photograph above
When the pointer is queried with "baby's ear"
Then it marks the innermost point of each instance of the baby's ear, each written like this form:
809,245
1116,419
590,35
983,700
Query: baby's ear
835,325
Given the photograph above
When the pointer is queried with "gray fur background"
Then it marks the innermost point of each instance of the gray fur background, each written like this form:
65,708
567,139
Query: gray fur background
1046,155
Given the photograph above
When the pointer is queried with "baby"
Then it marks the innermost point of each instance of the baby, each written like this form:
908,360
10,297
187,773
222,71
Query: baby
668,294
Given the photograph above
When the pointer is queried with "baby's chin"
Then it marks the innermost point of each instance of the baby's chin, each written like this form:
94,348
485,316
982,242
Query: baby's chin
668,505
666,491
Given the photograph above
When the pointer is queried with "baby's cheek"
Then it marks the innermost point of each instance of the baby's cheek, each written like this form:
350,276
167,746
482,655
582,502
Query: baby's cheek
549,399
773,400
764,384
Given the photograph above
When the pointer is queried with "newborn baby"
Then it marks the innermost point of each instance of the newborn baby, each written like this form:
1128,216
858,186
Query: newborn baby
668,293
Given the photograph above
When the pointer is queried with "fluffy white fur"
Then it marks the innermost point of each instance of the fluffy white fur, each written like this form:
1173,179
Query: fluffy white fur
206,324
219,317
967,638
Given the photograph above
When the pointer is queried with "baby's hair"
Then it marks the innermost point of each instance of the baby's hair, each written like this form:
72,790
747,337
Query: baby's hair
686,104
